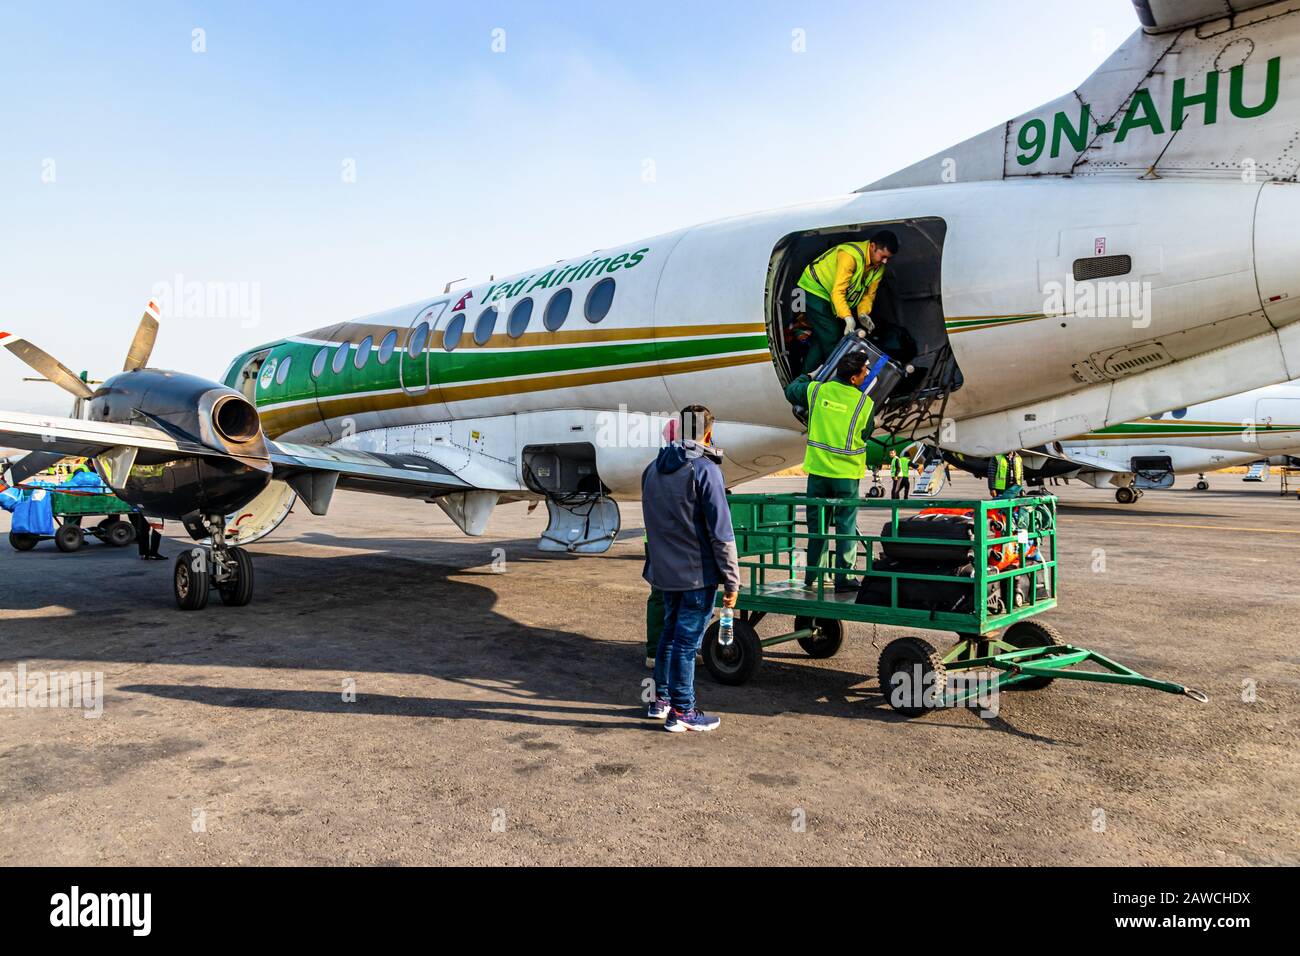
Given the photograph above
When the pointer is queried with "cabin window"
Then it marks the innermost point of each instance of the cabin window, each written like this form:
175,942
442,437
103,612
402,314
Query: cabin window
341,357
363,351
599,299
485,325
520,316
451,334
282,372
557,310
387,346
318,363
415,348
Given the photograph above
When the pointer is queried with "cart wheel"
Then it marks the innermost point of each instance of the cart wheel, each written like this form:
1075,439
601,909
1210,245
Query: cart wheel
119,534
69,538
736,663
1126,495
1025,634
238,592
912,675
875,491
823,645
190,578
22,542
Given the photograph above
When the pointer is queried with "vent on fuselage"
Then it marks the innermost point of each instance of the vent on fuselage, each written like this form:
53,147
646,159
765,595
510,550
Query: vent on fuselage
1102,267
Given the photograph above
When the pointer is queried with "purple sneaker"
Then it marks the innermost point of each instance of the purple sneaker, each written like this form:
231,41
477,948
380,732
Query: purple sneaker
693,720
659,708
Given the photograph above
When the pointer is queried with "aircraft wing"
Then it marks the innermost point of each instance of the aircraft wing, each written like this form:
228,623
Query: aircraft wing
1160,16
1084,459
86,439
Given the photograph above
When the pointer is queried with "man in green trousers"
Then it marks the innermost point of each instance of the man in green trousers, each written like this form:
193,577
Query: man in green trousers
839,422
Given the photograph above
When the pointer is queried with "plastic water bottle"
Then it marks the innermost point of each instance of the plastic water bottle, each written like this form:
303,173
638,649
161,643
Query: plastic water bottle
726,627
800,560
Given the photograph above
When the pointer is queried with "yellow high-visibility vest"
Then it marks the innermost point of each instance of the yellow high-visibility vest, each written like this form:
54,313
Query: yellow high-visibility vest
839,417
819,277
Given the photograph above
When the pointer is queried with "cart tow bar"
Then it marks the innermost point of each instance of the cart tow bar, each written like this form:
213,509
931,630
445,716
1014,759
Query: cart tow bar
1200,696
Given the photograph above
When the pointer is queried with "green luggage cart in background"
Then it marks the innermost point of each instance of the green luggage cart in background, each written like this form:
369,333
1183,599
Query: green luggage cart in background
72,509
1012,579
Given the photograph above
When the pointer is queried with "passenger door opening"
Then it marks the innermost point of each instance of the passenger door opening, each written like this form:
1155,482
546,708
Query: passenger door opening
910,299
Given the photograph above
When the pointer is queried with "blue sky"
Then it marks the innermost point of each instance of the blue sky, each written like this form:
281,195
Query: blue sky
226,166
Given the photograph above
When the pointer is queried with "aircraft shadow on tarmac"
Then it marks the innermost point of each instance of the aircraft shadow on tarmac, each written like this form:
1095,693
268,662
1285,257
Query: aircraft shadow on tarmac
405,608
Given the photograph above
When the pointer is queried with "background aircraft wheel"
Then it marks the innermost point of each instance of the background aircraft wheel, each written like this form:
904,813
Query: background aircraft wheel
22,542
736,663
190,580
69,538
827,643
875,491
1125,496
903,663
1025,634
238,592
119,533
1202,486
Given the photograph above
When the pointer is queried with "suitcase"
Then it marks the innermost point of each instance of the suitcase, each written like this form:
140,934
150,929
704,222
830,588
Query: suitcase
957,528
921,595
883,373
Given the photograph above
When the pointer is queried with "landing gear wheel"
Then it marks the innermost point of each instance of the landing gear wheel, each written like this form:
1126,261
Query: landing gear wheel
825,644
1202,486
118,533
1025,634
736,663
69,538
1126,495
875,491
22,542
903,663
238,591
190,577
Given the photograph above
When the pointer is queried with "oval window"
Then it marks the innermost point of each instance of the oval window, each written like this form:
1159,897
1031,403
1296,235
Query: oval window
341,357
485,325
599,299
363,351
520,316
415,348
282,372
557,310
1179,413
451,334
387,346
318,363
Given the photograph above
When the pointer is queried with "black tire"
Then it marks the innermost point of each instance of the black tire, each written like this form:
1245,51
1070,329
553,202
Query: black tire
1025,634
239,592
69,538
904,656
1202,486
22,542
737,663
875,491
119,533
827,643
1125,495
190,583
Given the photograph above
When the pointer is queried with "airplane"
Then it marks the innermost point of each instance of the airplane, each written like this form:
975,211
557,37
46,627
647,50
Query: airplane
1258,426
1124,249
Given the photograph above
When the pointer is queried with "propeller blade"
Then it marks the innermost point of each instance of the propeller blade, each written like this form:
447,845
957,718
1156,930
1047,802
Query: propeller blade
46,364
32,463
137,356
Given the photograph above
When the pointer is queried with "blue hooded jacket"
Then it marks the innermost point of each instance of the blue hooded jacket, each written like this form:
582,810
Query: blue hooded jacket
690,543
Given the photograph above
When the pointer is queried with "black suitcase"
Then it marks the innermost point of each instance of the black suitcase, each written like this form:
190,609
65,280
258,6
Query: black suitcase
883,373
921,595
957,528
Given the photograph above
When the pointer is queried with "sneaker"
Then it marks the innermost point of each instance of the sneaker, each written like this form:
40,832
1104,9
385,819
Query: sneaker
658,709
845,585
679,723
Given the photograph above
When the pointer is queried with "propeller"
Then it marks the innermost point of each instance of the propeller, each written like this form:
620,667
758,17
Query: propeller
137,356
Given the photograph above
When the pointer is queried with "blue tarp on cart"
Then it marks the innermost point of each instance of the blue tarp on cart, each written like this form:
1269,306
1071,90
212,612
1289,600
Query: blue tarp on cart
34,515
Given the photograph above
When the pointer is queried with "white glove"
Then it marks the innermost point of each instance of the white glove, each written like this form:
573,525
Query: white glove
867,323
849,325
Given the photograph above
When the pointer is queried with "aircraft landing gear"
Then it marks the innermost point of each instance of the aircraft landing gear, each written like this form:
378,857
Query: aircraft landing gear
198,570
1127,495
1202,484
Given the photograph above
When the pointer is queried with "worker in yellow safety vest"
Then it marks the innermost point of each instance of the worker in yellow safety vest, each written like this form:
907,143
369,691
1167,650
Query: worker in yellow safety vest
900,469
1006,474
840,284
839,422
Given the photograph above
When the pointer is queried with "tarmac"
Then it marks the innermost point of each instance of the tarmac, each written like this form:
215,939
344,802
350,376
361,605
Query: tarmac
398,693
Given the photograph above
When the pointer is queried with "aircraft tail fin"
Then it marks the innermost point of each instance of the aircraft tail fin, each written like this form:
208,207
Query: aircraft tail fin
1184,98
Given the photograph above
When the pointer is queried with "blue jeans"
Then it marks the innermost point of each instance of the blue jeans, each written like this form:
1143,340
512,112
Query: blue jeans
686,618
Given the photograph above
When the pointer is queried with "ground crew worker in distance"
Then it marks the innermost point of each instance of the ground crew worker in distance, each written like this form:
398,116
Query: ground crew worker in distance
900,469
1006,474
840,283
839,422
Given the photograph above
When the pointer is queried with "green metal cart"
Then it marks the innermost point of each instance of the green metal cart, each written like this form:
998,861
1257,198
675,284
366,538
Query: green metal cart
1012,579
70,509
